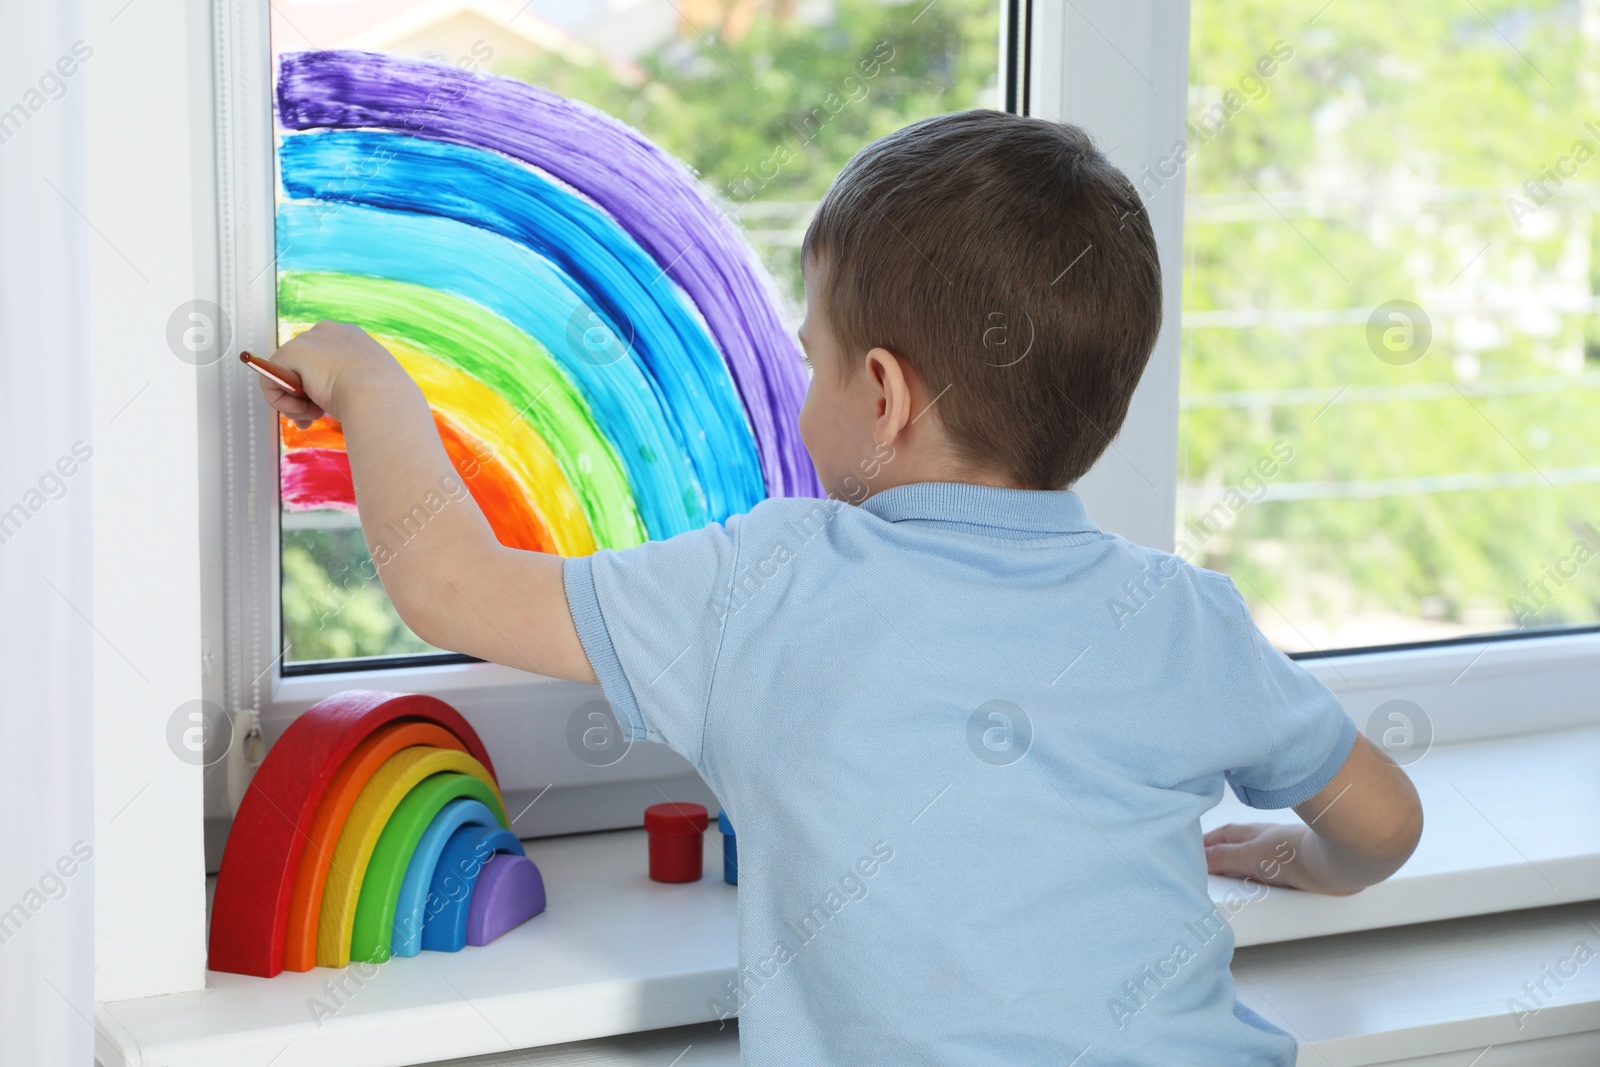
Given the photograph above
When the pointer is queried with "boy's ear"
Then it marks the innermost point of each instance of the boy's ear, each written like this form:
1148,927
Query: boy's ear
891,381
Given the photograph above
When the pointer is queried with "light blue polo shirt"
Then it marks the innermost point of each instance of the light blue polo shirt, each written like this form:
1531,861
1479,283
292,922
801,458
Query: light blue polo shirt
966,738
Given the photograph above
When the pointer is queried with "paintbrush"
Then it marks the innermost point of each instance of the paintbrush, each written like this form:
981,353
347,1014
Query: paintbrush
282,377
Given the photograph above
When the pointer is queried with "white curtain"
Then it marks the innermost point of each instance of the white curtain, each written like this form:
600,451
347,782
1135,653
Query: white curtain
46,639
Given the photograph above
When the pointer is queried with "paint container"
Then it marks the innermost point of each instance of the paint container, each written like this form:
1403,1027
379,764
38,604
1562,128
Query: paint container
675,848
730,850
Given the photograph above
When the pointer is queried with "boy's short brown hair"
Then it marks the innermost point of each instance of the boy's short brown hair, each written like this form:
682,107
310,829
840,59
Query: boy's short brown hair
1013,266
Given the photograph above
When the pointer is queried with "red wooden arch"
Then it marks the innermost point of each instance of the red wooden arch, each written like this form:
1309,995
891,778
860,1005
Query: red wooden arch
250,907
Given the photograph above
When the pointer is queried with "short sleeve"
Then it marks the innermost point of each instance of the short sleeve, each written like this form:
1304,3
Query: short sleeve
1309,733
649,622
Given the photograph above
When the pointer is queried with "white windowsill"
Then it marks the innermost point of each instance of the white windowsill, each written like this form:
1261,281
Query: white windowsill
617,953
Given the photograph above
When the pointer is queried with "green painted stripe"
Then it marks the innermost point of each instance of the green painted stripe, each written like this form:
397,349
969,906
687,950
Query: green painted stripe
473,339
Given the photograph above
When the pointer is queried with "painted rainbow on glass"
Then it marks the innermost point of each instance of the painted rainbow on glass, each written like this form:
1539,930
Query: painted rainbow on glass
599,345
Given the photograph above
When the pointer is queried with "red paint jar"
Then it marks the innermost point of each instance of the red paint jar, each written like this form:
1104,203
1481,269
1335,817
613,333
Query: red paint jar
675,833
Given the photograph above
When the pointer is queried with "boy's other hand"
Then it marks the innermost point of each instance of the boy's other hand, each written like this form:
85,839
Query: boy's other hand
1359,829
325,356
1263,852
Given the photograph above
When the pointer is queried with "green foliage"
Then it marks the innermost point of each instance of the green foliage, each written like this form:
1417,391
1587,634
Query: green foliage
767,121
725,107
331,608
1376,164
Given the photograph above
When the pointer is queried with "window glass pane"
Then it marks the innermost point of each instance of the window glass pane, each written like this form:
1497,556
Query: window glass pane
764,99
1390,389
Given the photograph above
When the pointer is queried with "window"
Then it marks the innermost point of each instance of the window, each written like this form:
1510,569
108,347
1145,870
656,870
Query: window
1349,172
1389,346
764,101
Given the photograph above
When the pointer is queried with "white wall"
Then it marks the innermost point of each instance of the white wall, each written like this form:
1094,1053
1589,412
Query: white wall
148,144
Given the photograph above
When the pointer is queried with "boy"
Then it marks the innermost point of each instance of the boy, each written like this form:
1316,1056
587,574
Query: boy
967,794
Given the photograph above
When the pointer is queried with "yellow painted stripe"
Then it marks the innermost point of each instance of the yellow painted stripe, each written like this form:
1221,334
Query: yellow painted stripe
370,814
474,407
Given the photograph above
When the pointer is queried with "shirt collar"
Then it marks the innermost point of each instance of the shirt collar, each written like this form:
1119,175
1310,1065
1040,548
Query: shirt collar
1034,510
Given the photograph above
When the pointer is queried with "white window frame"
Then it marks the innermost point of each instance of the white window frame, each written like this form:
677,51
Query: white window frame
1087,62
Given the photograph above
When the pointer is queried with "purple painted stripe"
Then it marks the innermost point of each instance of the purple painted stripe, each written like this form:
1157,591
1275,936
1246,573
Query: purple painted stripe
650,194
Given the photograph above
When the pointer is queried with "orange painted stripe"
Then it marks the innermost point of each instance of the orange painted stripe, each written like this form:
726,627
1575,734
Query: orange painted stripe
513,517
324,433
305,901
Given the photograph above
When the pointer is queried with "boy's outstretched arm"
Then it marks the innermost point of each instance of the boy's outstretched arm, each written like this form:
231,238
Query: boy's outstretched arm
1360,828
451,581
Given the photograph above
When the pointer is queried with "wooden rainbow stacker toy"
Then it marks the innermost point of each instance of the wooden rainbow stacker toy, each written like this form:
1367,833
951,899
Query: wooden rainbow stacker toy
374,827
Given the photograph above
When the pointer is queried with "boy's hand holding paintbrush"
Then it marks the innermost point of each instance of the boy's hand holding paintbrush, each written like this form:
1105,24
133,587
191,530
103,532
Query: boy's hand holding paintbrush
453,581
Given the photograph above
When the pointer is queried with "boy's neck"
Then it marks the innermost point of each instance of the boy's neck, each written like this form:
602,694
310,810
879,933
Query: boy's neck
896,474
